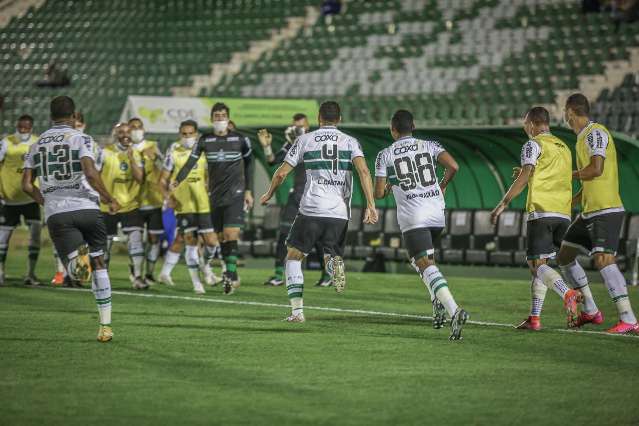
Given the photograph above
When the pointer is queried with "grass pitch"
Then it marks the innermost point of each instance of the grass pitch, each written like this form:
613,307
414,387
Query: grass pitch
373,358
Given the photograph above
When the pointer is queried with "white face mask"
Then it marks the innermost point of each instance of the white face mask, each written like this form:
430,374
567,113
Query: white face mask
23,137
137,135
189,142
220,126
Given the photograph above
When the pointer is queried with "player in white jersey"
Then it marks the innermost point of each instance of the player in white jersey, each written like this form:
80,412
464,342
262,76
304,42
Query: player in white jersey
70,188
408,167
328,156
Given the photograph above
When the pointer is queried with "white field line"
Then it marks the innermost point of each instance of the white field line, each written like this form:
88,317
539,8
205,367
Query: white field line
329,309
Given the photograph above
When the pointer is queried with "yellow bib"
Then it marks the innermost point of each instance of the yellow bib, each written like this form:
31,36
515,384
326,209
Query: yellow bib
11,170
601,192
150,195
118,178
550,186
192,195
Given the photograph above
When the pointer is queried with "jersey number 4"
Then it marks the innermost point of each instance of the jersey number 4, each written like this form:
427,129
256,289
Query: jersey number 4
332,156
411,172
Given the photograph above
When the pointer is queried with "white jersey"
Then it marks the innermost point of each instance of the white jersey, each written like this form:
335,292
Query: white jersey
55,159
409,164
327,155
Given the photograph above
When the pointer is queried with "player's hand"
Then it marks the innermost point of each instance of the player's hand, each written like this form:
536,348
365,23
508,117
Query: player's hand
171,202
494,215
264,137
370,215
265,198
173,186
129,153
516,172
248,200
114,206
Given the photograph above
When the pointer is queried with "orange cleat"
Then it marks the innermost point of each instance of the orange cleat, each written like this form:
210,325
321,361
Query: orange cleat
58,279
571,299
624,328
584,318
531,323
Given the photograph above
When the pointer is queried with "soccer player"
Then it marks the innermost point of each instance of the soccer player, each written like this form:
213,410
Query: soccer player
228,155
596,230
191,204
329,157
70,186
546,167
122,172
408,167
14,202
150,195
299,127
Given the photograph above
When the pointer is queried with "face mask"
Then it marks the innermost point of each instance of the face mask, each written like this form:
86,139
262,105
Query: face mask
220,126
23,137
189,142
137,135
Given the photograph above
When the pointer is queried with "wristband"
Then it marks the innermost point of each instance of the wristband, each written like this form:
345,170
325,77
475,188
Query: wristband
268,151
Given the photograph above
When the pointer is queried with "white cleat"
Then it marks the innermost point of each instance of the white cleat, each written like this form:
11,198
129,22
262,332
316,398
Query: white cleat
296,318
139,284
198,288
209,276
336,268
166,280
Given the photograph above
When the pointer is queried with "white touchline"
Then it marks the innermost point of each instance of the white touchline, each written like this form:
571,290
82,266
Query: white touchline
327,309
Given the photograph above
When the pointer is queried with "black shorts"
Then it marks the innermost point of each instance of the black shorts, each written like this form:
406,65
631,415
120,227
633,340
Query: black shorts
598,234
189,222
130,221
544,236
229,216
289,212
420,242
70,230
329,232
152,218
10,215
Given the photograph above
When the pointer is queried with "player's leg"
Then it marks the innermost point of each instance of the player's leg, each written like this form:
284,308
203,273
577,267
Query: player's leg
604,232
232,221
325,278
155,229
33,218
286,220
60,271
420,246
172,257
192,258
132,226
9,219
211,247
576,240
111,222
332,238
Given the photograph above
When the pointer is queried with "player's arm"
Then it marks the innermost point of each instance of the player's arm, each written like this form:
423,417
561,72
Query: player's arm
278,177
190,163
381,187
137,170
576,199
370,215
247,155
266,139
28,179
597,143
450,169
515,189
95,180
3,153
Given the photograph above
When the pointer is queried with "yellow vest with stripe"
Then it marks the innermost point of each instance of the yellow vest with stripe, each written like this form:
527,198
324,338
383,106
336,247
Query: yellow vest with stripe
601,192
118,178
550,186
11,170
192,195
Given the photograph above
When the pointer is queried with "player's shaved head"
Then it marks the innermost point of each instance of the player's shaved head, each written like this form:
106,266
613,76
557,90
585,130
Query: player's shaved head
62,107
538,116
330,112
578,104
402,122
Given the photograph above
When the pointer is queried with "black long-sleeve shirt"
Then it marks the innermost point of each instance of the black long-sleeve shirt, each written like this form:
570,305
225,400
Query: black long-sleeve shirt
229,160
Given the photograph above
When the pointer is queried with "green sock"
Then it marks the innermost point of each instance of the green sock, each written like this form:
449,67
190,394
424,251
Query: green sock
231,263
279,272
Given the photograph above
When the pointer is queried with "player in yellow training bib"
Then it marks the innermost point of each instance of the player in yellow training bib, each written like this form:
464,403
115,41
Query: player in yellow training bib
596,230
546,167
190,202
14,203
150,194
122,172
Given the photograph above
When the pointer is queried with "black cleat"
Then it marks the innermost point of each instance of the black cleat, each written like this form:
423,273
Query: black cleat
439,314
457,323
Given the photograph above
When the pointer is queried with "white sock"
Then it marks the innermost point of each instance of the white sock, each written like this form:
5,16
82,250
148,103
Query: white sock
170,260
295,285
59,266
552,280
152,257
538,295
439,286
616,285
136,252
5,236
101,287
192,258
576,277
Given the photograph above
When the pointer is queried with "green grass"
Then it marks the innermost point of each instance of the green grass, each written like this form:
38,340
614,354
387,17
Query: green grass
185,361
